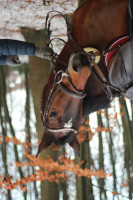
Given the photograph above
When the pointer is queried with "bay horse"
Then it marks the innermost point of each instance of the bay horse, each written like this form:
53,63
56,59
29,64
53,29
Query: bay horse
77,85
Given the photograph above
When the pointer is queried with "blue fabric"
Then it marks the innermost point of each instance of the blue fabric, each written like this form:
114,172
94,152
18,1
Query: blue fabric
3,60
15,47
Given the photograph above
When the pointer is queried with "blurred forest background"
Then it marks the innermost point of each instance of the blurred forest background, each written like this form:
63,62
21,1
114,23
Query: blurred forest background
105,167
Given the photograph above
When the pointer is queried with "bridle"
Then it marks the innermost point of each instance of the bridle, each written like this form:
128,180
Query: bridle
57,83
79,94
58,78
60,75
76,48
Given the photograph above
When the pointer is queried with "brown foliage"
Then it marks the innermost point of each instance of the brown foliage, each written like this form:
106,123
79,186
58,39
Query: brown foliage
58,169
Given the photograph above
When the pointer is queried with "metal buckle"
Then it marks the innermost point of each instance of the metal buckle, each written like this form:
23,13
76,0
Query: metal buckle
59,76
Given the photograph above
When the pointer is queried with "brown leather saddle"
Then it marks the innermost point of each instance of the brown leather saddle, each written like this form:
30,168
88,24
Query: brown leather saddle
121,70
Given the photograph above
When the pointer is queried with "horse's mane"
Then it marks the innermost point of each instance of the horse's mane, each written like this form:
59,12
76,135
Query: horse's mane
92,104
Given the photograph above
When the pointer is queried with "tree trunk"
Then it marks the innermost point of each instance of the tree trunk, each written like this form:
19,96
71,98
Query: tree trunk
101,158
127,139
4,120
6,113
39,71
127,131
111,149
84,185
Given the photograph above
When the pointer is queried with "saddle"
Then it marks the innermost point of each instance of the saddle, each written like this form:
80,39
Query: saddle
121,62
120,70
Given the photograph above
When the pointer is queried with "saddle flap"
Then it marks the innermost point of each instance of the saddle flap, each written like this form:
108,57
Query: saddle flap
121,68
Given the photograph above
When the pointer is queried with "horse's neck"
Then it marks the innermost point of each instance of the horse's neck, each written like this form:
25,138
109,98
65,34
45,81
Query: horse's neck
100,22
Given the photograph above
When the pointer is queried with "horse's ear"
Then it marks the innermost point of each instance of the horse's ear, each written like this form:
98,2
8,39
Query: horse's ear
75,145
45,142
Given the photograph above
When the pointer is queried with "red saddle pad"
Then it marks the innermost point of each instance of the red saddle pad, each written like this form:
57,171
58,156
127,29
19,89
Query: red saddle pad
120,41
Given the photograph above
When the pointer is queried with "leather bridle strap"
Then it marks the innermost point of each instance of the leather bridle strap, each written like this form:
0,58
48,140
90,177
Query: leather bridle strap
64,130
75,45
60,86
79,94
103,79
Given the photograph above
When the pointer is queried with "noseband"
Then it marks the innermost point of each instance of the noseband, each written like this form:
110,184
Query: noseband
64,130
74,94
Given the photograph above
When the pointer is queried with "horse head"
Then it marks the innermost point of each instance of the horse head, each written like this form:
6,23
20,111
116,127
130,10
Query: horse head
61,103
62,98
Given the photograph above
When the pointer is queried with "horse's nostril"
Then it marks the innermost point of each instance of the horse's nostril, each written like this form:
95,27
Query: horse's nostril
79,61
76,67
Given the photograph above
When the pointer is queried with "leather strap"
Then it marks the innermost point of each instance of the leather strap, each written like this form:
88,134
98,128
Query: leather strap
76,95
103,80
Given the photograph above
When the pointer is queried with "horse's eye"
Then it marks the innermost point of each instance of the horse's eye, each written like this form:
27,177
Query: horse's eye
53,114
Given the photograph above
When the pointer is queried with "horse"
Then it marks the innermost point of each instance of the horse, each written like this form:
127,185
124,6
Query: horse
79,81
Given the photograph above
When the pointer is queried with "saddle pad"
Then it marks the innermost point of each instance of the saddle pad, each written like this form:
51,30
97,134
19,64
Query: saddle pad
120,42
